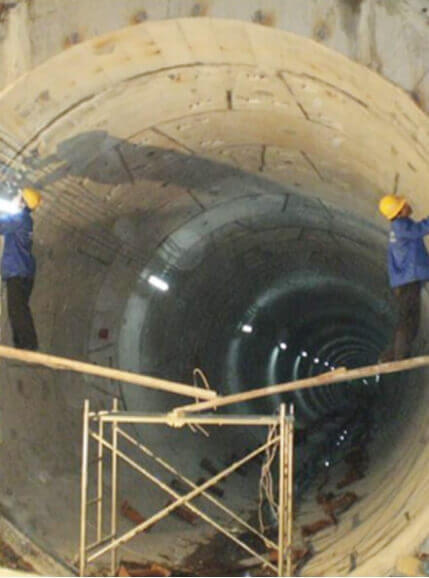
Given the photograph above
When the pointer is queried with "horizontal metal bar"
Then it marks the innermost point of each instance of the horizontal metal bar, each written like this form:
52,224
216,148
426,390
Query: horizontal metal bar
95,415
182,420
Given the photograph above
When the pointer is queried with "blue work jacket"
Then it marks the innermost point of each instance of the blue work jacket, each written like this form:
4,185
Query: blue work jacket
18,260
408,259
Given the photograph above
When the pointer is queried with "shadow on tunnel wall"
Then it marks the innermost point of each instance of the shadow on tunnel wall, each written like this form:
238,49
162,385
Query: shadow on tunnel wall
98,157
106,159
103,158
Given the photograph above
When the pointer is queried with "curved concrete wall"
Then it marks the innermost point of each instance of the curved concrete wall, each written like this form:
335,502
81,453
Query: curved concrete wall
33,31
146,137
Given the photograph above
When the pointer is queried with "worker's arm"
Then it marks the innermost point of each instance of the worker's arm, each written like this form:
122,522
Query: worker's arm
9,223
407,229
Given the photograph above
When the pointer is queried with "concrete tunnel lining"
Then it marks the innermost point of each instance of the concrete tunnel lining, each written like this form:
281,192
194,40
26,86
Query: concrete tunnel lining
244,109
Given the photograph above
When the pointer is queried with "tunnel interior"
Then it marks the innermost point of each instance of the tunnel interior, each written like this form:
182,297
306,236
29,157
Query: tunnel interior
276,297
230,226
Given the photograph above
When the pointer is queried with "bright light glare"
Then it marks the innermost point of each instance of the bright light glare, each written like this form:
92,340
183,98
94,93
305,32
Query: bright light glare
327,464
316,360
10,207
304,354
341,438
247,328
158,283
283,345
326,364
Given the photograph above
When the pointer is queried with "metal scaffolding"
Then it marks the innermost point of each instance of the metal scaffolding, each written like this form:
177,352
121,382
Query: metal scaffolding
113,439
179,417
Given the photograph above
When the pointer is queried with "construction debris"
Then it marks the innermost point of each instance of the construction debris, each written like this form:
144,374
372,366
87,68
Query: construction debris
351,476
213,489
207,465
17,551
297,554
221,557
10,559
311,529
334,505
300,556
131,513
178,486
184,513
135,569
357,460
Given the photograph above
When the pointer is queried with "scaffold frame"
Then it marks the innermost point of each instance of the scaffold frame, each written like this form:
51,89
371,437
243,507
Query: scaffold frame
94,428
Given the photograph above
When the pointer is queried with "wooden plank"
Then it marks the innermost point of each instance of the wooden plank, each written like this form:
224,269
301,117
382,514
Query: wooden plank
339,375
65,364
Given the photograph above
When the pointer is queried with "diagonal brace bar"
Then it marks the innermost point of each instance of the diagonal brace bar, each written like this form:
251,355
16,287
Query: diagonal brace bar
190,483
180,500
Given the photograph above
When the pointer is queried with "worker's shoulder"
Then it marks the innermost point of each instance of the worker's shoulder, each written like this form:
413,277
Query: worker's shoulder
25,218
21,221
402,224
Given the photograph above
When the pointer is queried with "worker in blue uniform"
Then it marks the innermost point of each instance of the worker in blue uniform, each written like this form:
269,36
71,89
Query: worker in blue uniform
18,265
408,268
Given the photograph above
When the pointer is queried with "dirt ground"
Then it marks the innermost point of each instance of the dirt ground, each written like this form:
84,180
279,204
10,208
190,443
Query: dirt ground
9,559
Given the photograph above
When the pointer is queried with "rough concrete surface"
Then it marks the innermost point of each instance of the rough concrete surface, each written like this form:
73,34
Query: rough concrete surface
240,153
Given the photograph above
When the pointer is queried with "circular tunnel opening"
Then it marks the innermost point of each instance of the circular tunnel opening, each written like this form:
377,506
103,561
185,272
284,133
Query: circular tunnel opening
277,298
228,226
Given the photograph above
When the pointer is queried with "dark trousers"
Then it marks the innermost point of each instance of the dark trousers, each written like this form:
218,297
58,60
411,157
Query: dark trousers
18,296
408,301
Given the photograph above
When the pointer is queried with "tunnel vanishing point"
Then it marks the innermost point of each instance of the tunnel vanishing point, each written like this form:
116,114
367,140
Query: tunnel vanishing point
210,173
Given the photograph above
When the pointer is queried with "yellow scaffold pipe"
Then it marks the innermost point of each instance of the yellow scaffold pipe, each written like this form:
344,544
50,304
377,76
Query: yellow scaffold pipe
339,375
65,364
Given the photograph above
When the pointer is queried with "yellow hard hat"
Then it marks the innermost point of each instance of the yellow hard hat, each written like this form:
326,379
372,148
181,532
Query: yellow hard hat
32,198
390,206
